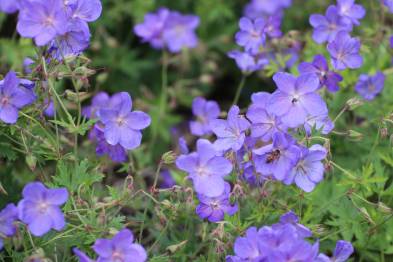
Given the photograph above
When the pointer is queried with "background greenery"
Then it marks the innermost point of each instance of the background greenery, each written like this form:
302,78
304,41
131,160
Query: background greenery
353,203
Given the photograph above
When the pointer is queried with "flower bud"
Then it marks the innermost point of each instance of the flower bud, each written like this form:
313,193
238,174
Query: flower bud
31,161
353,103
354,135
384,208
169,157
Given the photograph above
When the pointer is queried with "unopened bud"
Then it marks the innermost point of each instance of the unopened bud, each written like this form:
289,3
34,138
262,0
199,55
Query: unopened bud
31,161
354,103
74,97
384,208
169,157
354,135
84,71
384,132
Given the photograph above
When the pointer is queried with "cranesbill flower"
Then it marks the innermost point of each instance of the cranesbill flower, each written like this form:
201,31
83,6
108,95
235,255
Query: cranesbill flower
350,11
42,20
179,31
370,86
344,51
247,248
123,126
296,98
248,63
115,152
251,35
151,30
206,169
309,169
278,158
320,67
341,253
85,10
389,4
292,219
231,132
7,218
205,112
215,208
273,26
119,248
99,101
263,122
81,255
326,27
49,108
321,123
261,8
13,97
40,208
9,6
167,179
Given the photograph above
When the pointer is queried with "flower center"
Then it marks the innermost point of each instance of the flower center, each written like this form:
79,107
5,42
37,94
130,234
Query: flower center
295,98
215,205
120,121
49,21
4,101
202,171
43,207
273,156
117,257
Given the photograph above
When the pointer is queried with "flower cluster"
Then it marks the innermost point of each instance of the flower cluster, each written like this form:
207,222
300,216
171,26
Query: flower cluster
119,128
119,248
15,94
262,22
284,241
60,25
39,210
169,29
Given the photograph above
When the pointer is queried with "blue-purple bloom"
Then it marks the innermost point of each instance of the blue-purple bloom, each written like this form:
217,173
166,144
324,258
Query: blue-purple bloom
247,62
167,179
123,126
273,26
296,98
344,51
119,248
284,241
215,208
264,123
169,29
42,20
370,86
251,35
231,132
84,10
115,152
389,4
206,169
9,6
40,208
81,255
13,97
205,112
320,67
341,253
7,218
278,158
309,169
322,123
263,8
350,11
326,27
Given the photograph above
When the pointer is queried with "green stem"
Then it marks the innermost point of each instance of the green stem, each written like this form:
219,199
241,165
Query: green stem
239,89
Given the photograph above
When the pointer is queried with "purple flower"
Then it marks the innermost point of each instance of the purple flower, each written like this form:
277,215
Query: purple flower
27,65
205,112
263,122
123,126
179,32
278,158
215,208
389,4
248,63
246,167
273,26
350,11
260,8
321,123
9,6
342,251
231,132
49,108
115,152
344,51
251,35
292,219
119,248
167,179
40,208
247,248
85,10
42,20
151,30
13,97
7,218
182,143
326,27
99,101
81,255
296,98
320,67
73,42
309,169
370,86
206,169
